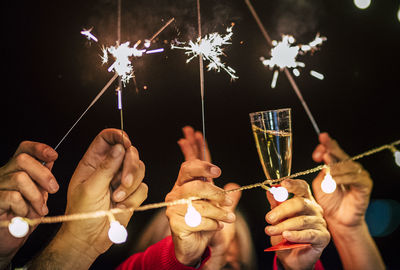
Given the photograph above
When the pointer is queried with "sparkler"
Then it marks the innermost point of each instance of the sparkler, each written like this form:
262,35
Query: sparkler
284,54
88,34
210,49
287,73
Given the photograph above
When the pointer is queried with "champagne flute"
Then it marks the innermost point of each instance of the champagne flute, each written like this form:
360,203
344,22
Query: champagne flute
272,132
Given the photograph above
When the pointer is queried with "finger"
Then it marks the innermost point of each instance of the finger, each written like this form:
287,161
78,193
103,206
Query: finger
39,173
208,210
315,237
178,225
196,169
332,146
293,207
14,202
203,146
201,189
187,150
37,150
100,180
298,187
22,183
188,133
318,153
358,179
273,203
296,224
132,174
133,201
234,196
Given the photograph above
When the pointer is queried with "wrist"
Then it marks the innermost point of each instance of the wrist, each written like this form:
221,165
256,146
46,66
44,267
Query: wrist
347,232
185,256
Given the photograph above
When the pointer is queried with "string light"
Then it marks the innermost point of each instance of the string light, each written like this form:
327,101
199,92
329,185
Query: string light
362,4
117,233
396,154
21,224
328,185
398,14
18,227
192,217
280,193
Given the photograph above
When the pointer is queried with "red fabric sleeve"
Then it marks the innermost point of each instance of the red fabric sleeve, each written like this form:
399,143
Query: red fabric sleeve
318,264
160,256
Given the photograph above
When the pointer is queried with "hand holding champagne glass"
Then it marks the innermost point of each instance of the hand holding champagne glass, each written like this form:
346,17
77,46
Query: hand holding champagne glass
273,137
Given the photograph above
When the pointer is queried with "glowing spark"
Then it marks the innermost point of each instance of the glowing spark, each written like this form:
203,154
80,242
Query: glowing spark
88,34
284,54
317,75
210,49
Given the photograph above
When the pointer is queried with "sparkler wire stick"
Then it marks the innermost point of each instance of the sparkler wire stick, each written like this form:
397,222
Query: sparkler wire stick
87,109
288,75
201,66
119,90
161,29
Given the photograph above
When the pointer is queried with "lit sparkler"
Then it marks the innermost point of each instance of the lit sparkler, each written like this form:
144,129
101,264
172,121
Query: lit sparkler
88,34
210,48
284,54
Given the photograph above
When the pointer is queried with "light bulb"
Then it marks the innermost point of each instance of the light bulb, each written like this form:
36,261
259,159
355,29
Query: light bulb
192,217
280,193
18,227
362,4
397,157
398,14
328,185
117,233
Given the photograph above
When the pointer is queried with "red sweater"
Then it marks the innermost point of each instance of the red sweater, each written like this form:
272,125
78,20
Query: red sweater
161,256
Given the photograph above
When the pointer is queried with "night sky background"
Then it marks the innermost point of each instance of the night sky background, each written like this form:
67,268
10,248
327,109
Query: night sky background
51,73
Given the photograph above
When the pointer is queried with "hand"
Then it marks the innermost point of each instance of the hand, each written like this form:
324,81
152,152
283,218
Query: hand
192,146
111,162
347,205
190,243
24,187
299,219
223,247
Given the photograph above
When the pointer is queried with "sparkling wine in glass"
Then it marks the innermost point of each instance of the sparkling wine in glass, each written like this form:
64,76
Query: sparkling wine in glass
272,132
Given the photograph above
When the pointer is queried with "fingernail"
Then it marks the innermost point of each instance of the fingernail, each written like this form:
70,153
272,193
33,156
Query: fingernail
272,217
228,201
215,171
271,229
121,206
45,210
231,217
120,195
49,152
116,151
129,180
53,185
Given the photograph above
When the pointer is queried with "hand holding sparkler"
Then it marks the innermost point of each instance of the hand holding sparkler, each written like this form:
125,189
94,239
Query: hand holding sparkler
24,187
193,226
109,175
344,208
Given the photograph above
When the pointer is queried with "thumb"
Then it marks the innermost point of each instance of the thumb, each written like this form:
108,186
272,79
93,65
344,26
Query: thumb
101,178
272,200
234,196
316,185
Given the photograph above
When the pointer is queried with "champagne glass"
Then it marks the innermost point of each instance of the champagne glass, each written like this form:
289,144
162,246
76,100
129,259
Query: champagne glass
272,132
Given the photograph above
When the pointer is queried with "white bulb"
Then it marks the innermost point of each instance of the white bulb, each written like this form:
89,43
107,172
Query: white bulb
328,185
397,158
398,14
192,217
18,227
280,193
362,4
117,233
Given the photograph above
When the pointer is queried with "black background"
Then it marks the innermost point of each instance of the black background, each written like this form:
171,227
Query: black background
51,73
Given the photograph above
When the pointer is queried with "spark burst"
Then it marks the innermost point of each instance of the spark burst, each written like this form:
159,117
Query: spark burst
122,53
284,54
210,48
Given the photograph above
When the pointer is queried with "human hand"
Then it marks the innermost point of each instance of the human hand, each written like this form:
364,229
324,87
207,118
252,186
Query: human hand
223,247
300,220
109,175
347,205
191,242
192,145
24,187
